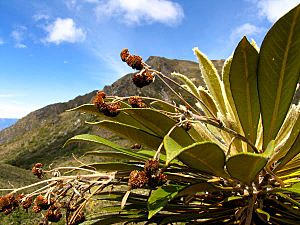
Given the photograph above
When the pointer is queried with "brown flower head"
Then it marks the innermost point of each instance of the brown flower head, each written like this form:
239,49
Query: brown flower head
136,146
137,179
53,214
187,126
135,62
137,102
42,202
36,209
37,170
99,99
111,109
151,167
142,78
124,54
4,203
27,202
157,180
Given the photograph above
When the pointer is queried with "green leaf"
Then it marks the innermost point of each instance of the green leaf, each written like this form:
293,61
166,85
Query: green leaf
203,156
110,154
287,135
163,106
86,108
122,117
269,150
245,166
260,211
196,188
243,85
102,141
190,85
133,133
159,198
208,101
294,189
160,124
212,79
278,72
113,166
294,150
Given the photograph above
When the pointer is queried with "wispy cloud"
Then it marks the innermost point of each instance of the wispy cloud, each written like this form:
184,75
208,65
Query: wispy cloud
40,16
18,35
141,11
64,30
245,29
1,41
274,9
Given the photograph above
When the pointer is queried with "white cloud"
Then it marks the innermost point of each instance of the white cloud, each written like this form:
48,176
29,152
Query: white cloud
1,41
64,30
141,11
18,36
246,29
274,9
40,16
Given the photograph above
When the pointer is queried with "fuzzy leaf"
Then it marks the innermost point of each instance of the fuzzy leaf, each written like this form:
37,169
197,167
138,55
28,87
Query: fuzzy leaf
294,150
211,78
203,156
159,198
279,71
162,106
113,166
243,85
245,166
190,85
208,101
133,133
102,141
160,124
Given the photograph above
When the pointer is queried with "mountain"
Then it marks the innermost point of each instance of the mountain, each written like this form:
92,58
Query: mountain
6,122
39,136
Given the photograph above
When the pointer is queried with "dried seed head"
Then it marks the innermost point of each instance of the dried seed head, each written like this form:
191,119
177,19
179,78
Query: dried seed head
136,146
135,62
187,126
99,99
37,170
38,165
36,209
151,167
137,102
4,203
111,109
137,179
142,79
124,54
157,180
53,214
27,202
42,202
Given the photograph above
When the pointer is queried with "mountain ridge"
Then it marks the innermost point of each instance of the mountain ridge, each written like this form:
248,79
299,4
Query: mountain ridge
40,135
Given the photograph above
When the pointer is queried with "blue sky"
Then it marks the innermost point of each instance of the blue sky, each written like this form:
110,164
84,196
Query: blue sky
53,50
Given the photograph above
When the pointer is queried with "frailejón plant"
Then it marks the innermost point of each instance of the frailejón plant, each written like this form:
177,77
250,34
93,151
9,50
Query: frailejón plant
228,156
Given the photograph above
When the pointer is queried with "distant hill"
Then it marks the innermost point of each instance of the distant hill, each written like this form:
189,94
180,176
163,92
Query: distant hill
5,122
